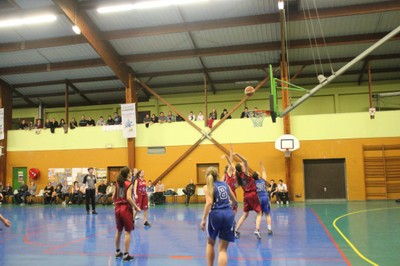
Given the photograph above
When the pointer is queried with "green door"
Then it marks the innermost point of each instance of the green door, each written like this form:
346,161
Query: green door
19,174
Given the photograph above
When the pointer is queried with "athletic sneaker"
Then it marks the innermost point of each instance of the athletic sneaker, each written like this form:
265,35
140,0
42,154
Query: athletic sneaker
270,232
128,257
287,202
119,255
237,234
257,233
147,223
94,212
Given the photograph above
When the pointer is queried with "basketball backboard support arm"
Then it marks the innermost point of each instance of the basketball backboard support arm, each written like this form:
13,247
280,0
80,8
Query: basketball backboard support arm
340,71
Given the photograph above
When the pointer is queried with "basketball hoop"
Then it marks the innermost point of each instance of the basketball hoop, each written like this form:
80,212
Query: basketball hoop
258,117
287,144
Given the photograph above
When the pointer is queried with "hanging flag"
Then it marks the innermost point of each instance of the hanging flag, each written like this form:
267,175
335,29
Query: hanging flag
2,123
128,113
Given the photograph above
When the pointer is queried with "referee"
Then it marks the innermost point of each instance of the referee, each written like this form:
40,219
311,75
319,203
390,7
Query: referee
90,181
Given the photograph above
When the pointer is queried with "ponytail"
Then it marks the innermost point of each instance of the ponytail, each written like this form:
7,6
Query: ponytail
122,176
211,177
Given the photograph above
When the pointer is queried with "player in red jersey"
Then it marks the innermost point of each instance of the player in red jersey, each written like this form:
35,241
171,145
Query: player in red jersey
123,212
250,198
140,192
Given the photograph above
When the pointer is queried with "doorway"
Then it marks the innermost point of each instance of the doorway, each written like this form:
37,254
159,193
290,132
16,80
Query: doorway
19,175
325,179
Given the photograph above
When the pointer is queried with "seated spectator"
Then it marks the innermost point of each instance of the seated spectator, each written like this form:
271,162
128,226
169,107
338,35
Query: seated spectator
245,113
200,116
255,112
53,125
211,117
282,194
101,191
224,113
31,192
23,124
39,124
271,189
147,120
7,192
64,192
56,193
191,116
1,186
75,196
83,121
189,191
47,123
150,191
101,121
160,187
109,192
73,124
20,196
162,118
90,122
110,121
117,119
47,193
154,119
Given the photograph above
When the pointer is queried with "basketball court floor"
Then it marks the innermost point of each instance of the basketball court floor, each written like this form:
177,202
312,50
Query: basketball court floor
329,233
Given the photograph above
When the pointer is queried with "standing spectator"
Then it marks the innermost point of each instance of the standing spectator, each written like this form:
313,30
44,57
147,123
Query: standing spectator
219,216
23,124
39,123
124,204
191,116
211,117
90,122
224,113
101,191
53,125
245,113
73,124
147,120
31,125
47,123
83,121
117,119
189,191
200,116
154,119
170,117
90,181
110,121
162,118
62,123
101,121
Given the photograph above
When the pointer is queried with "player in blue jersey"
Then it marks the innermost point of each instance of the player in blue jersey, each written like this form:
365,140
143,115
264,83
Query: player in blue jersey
218,217
261,185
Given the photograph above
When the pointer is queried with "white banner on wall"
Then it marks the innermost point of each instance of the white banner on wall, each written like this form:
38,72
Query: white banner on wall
2,123
128,113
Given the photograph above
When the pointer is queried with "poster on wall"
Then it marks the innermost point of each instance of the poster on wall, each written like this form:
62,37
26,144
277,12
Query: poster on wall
101,174
128,113
1,123
58,175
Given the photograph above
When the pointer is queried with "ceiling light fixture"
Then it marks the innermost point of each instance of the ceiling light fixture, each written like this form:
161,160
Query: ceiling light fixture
75,27
281,5
27,20
145,5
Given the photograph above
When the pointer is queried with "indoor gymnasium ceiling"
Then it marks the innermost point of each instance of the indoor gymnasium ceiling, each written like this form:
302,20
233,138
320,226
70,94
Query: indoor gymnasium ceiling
174,49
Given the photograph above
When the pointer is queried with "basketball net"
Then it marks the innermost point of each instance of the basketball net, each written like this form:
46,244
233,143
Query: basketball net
287,153
258,118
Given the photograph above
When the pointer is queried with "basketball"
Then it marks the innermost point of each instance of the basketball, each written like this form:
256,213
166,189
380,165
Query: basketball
249,90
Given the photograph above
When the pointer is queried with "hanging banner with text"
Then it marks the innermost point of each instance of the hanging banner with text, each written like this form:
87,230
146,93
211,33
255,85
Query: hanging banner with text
128,113
2,123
